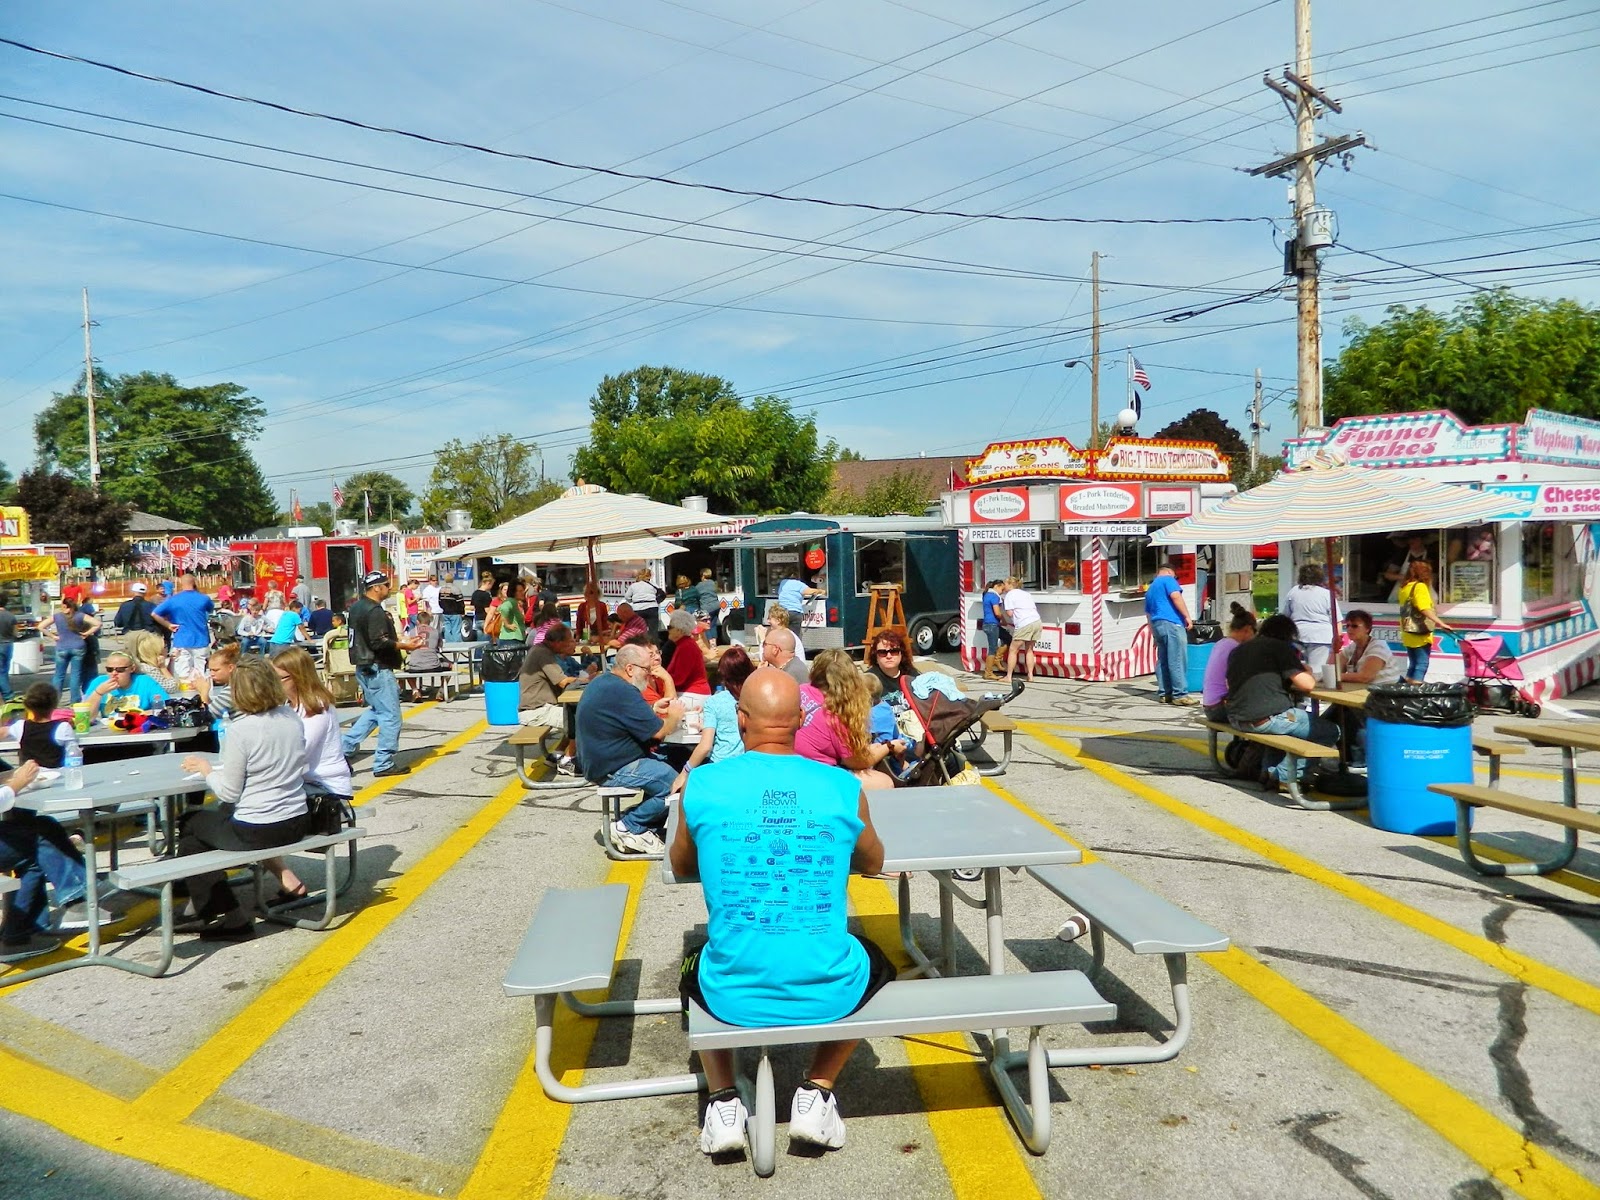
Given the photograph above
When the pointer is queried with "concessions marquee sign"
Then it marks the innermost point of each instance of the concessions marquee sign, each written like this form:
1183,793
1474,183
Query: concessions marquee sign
1121,458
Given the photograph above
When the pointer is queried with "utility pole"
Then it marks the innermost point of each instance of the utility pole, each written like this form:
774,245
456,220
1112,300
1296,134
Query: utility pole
1094,354
1313,225
88,391
1255,427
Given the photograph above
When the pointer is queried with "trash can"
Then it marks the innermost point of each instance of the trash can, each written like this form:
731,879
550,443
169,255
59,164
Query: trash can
502,662
1416,736
1195,663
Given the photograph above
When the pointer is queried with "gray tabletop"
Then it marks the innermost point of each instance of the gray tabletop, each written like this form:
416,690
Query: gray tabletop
947,828
101,736
106,785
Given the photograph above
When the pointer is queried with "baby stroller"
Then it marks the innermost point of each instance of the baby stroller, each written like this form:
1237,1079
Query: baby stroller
1493,676
945,722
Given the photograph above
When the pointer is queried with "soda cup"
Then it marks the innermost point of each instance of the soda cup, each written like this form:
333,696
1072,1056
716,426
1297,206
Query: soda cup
82,717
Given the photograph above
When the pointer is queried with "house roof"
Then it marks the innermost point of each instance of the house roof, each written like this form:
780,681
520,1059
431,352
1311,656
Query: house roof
856,477
143,522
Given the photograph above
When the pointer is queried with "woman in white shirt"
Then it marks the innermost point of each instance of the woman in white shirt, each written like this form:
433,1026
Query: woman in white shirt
1022,614
261,786
327,770
646,601
1310,607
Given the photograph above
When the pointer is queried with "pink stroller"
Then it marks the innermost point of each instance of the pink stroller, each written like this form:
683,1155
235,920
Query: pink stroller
1493,676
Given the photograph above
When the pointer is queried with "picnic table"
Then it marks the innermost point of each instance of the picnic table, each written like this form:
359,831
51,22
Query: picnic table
100,735
464,652
106,788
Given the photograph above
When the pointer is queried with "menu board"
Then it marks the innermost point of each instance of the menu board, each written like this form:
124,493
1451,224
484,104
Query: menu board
996,562
1470,582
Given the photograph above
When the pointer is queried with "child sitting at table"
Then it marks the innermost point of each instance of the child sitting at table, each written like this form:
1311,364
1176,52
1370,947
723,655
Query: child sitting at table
42,733
884,730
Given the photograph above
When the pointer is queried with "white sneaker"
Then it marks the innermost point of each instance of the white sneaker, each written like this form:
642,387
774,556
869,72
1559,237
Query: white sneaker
814,1118
636,843
724,1127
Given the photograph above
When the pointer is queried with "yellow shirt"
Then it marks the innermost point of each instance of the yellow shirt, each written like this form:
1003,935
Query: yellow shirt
1420,597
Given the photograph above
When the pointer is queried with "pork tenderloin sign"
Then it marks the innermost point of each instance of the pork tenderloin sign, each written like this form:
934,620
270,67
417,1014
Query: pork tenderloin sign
1000,506
1099,501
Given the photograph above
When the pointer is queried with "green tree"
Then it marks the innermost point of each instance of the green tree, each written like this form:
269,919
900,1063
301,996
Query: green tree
177,451
851,456
7,484
62,510
669,434
319,514
901,492
494,478
1204,425
390,497
1488,360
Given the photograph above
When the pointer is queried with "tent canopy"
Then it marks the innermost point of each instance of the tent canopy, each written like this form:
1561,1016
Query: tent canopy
611,551
581,518
1330,498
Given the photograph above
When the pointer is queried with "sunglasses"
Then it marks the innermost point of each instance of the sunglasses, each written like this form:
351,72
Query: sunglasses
119,670
886,652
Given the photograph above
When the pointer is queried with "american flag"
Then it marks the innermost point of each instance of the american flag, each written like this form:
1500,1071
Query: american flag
1141,378
338,497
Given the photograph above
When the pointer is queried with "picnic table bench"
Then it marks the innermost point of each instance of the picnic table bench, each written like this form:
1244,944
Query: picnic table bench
1494,749
1296,750
162,873
572,944
444,679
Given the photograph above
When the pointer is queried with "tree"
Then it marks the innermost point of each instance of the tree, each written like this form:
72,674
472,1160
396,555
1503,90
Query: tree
390,497
1203,425
494,478
319,514
851,456
1489,360
669,434
900,492
62,510
177,451
7,485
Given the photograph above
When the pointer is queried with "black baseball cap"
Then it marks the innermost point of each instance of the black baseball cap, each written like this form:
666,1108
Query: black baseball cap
373,578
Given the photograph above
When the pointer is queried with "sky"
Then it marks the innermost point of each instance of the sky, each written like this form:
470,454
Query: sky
481,259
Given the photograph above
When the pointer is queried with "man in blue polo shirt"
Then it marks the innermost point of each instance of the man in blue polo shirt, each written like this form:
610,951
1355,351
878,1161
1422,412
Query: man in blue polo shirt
187,613
1168,614
616,727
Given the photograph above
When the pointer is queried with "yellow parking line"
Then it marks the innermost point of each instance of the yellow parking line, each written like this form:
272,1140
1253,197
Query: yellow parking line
979,1149
1501,958
519,1157
180,1092
1503,1152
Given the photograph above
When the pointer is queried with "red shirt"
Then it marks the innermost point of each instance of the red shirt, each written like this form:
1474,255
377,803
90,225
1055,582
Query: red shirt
688,667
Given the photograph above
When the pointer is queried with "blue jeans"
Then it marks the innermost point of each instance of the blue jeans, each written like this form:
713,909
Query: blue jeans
37,849
1172,658
998,636
5,669
383,711
69,669
1296,722
450,627
653,777
1417,662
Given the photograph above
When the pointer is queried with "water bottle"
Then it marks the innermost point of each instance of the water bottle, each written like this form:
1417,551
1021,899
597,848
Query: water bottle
73,761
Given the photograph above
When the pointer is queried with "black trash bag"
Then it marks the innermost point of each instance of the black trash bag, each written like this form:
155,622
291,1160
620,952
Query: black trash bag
502,661
1439,705
1204,632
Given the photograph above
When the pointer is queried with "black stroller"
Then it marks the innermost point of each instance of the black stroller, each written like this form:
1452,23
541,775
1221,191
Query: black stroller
945,722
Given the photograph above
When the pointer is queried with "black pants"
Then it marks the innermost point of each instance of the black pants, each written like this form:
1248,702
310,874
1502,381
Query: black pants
204,829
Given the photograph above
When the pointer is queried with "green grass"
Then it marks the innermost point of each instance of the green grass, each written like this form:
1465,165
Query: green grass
1264,592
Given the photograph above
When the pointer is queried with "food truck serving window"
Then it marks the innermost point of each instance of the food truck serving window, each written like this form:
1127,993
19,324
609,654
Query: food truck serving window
776,565
1060,554
1550,573
1132,562
1467,573
879,562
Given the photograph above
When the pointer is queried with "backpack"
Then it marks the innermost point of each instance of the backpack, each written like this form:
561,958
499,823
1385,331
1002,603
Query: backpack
1244,760
493,622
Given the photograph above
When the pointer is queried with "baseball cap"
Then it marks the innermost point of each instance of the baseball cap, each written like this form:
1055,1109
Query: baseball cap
373,579
140,589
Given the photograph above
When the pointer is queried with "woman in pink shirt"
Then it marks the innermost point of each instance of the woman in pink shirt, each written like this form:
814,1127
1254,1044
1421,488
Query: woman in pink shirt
833,727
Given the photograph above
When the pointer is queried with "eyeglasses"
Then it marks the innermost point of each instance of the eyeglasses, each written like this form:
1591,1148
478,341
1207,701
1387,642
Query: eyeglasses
119,670
886,652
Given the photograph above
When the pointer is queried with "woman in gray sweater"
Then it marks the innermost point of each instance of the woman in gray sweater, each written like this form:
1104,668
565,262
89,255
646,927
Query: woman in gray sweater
261,786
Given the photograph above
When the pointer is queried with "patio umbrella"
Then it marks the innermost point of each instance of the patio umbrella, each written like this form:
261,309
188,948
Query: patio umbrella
581,518
605,551
1327,498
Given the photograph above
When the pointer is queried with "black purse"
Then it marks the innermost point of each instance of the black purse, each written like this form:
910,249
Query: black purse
327,814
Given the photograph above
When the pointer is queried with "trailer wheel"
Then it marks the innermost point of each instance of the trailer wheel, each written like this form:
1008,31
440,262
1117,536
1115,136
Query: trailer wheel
923,635
950,635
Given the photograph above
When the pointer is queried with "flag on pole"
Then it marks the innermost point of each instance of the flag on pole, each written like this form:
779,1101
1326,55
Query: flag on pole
366,505
338,497
1141,377
294,505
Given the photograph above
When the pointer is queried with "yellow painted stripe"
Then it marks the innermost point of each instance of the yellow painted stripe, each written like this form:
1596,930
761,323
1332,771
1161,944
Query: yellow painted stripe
1504,1153
1501,958
519,1157
221,1159
185,1088
981,1155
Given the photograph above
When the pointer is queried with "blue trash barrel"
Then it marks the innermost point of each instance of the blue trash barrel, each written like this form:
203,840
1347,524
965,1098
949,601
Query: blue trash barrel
1423,737
500,700
1196,660
501,663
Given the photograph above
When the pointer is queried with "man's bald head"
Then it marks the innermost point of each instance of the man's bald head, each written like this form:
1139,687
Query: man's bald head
781,640
769,711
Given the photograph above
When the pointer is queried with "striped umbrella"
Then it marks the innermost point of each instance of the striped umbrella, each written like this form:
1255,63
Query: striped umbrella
608,550
1329,498
581,518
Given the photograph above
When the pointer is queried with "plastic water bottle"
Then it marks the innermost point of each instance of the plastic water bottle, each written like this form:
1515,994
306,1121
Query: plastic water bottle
73,761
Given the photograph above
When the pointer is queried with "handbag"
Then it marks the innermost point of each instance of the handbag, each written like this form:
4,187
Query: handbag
1413,620
327,813
492,623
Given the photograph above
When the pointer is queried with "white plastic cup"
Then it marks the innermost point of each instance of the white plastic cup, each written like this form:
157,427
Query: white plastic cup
1330,675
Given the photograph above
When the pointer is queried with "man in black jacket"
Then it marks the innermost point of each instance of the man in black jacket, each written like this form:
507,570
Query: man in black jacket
375,653
134,614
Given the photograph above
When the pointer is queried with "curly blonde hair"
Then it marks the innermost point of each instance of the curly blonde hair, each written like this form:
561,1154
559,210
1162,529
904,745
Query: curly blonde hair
844,694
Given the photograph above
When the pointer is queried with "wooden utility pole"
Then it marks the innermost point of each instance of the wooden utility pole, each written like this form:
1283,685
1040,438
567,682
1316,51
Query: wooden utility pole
1313,225
1094,353
88,391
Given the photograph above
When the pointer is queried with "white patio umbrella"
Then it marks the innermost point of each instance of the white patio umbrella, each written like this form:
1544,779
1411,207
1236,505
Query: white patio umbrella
1328,498
581,518
606,551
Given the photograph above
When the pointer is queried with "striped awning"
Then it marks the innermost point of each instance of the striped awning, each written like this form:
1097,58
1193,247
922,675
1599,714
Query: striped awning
1329,498
581,516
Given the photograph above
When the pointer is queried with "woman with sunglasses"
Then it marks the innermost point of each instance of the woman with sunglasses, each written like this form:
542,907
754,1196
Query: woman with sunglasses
890,659
120,685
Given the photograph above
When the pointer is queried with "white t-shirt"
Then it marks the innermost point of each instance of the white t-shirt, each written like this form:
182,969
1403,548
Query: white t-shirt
429,596
641,594
325,762
63,733
1389,672
1020,608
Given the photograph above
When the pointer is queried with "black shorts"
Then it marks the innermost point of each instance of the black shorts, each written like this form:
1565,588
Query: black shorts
879,972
